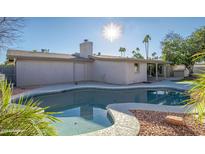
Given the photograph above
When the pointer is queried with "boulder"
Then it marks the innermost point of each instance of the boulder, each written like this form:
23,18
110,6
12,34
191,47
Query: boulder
175,120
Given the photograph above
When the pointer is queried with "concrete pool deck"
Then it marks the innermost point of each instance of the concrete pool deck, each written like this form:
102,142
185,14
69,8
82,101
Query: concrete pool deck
125,123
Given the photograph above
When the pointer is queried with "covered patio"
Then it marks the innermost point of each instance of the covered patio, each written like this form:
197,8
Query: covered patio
157,70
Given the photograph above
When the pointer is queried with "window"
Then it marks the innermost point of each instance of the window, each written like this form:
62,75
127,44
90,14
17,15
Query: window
136,67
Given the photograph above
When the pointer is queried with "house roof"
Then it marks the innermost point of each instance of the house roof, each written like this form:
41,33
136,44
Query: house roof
21,54
119,58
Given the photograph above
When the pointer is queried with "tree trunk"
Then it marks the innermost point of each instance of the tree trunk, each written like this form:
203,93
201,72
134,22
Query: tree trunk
190,68
147,50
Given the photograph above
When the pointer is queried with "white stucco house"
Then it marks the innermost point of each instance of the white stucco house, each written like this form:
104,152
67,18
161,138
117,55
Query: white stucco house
37,68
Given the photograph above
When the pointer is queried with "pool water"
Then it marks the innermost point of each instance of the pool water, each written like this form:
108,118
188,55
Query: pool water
84,110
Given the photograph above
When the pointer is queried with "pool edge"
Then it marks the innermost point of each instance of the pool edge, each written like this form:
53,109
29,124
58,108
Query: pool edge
124,125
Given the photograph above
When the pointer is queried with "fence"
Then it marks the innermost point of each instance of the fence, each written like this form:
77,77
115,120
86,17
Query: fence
10,72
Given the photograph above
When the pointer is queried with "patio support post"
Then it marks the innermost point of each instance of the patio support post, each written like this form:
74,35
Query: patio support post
156,71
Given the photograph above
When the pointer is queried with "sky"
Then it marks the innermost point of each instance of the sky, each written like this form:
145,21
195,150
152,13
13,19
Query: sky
63,35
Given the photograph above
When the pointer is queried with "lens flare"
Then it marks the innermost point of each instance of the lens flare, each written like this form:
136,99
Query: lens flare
112,31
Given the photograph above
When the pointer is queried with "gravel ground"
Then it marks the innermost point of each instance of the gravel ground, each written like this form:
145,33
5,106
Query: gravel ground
153,123
20,90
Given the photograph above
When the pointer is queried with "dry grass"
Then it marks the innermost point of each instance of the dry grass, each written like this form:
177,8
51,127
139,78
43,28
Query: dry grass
153,123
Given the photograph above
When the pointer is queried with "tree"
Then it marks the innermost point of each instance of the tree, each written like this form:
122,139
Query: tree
173,48
137,49
197,40
10,30
154,55
45,50
146,40
122,50
180,51
176,50
196,44
136,54
24,118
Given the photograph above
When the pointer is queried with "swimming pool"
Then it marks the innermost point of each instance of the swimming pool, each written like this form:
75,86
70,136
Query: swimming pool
84,110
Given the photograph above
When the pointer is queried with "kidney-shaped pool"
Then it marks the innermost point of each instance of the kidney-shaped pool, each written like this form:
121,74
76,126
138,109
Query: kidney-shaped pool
84,110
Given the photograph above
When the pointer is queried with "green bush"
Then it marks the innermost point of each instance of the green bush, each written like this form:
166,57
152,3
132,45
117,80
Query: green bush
23,118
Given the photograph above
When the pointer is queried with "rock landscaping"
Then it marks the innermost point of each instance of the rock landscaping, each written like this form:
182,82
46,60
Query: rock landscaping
20,90
154,123
175,120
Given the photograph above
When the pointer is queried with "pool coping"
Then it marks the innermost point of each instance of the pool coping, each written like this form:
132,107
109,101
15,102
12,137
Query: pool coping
125,123
66,87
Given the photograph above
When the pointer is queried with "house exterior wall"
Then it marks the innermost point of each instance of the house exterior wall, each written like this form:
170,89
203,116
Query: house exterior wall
82,71
109,71
118,72
38,72
139,76
45,72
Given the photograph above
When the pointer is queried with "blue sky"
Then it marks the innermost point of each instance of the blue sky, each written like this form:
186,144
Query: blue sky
63,35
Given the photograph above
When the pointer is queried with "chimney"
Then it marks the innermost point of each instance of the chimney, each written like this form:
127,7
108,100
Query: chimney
86,49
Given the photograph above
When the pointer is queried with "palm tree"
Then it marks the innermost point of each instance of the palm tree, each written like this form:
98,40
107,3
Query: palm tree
138,49
197,93
136,54
154,55
122,50
146,40
23,118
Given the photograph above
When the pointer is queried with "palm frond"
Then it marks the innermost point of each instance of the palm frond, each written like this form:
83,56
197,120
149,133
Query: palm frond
196,102
198,55
25,117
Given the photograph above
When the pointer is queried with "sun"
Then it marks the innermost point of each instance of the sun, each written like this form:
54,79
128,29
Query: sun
112,31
